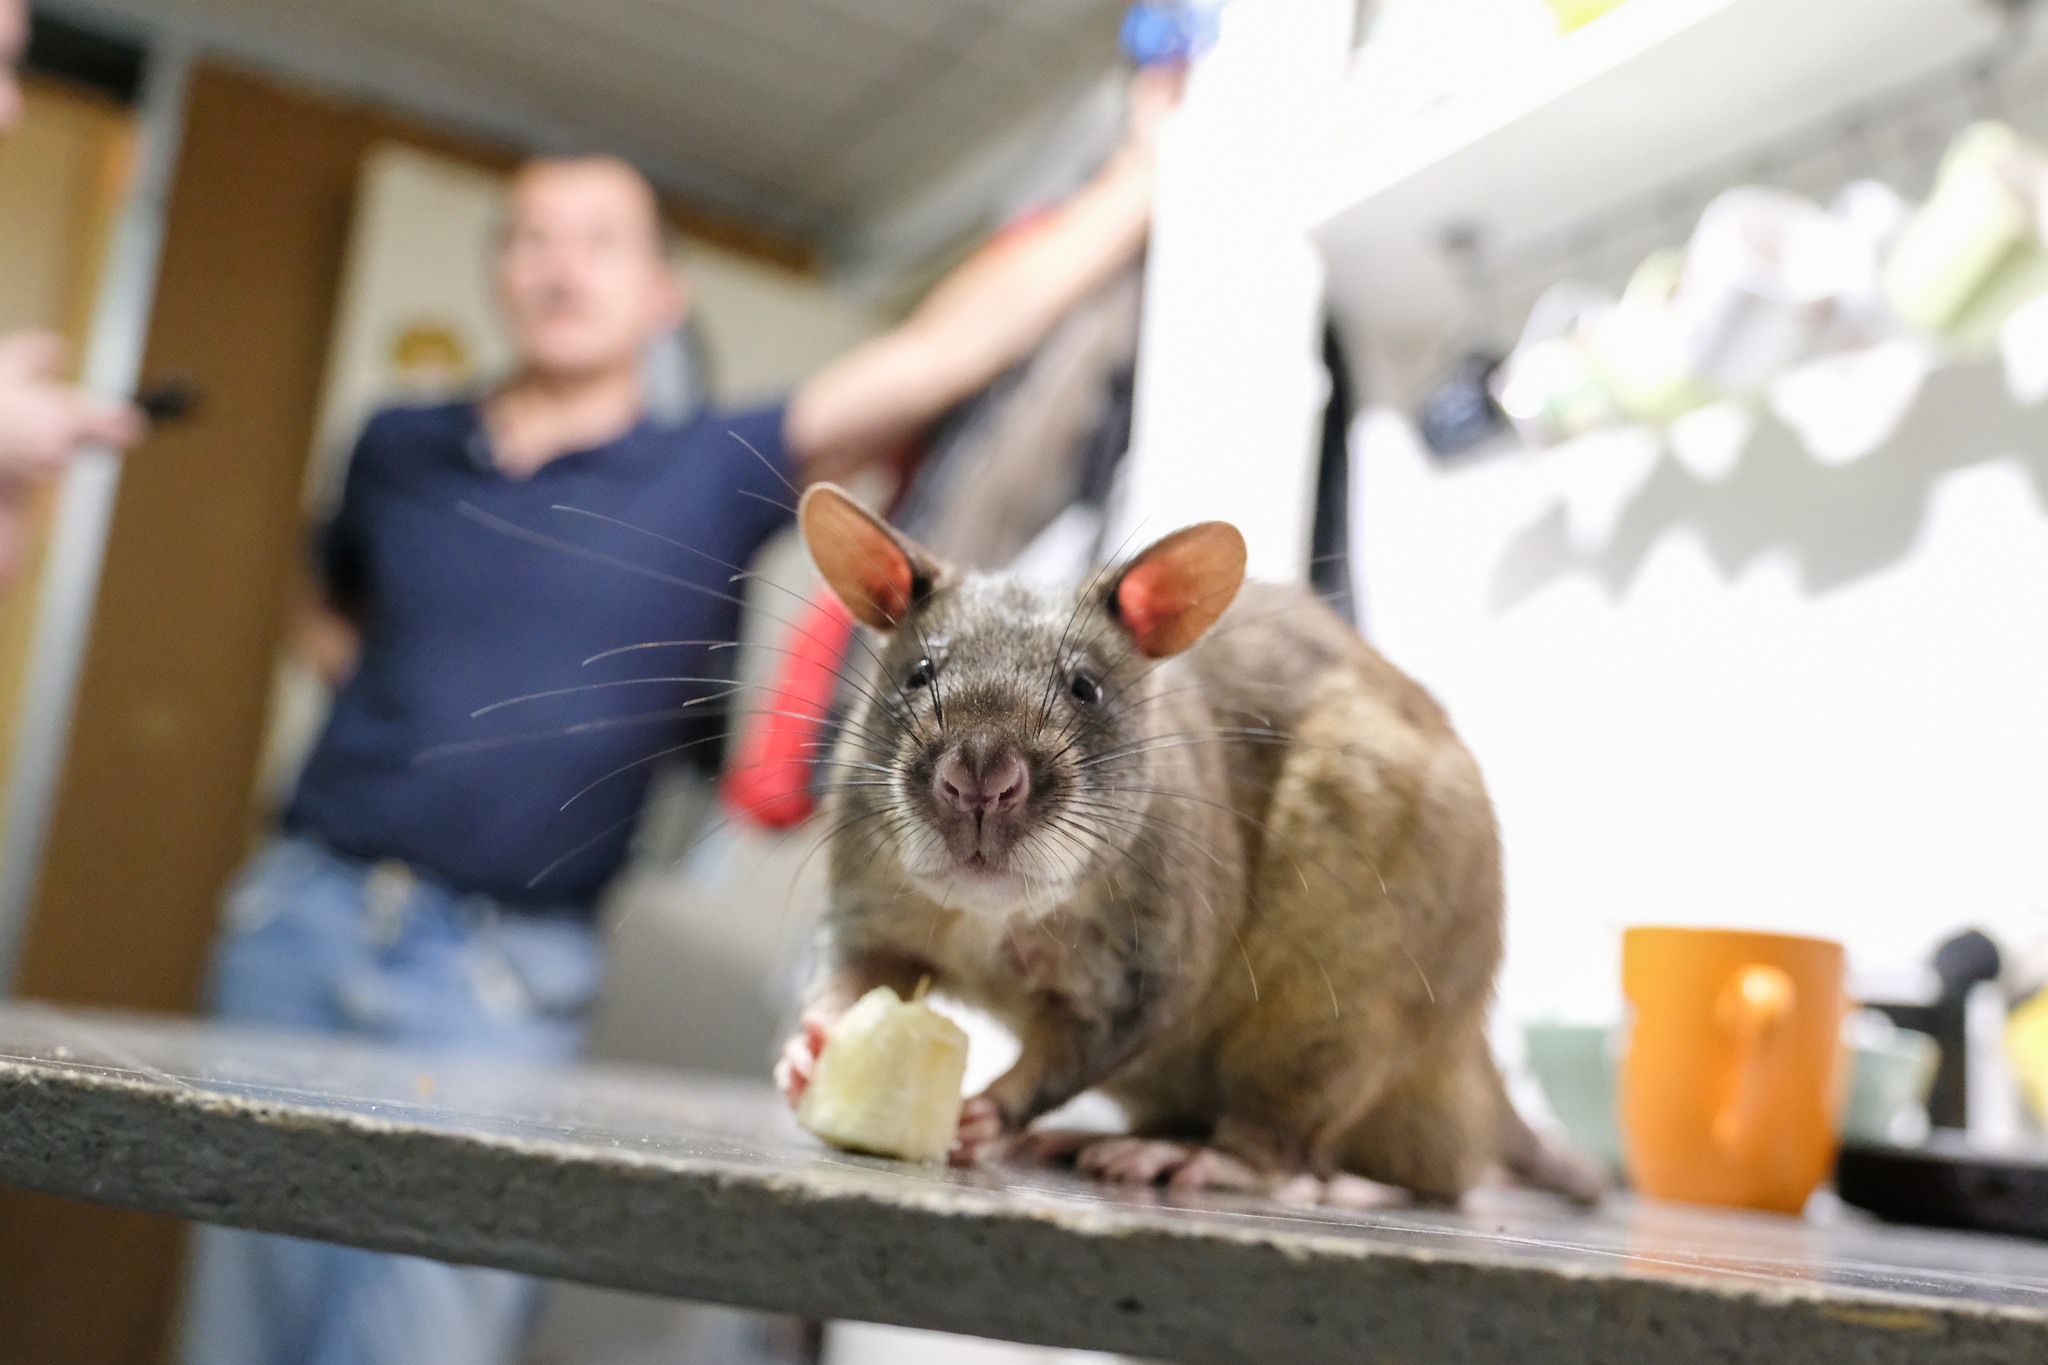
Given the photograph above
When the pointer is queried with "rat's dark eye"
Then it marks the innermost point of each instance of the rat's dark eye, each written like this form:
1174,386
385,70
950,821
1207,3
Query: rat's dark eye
922,675
1087,689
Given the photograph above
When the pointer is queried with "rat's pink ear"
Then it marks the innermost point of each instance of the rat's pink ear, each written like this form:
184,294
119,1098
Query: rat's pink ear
877,573
1175,590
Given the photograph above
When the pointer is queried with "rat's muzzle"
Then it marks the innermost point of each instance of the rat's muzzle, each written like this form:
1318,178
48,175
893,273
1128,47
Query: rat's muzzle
980,788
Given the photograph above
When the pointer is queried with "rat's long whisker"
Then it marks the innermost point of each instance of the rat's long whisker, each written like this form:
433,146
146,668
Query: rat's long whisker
763,497
714,559
585,687
517,532
767,464
839,672
469,746
656,644
613,828
638,763
730,689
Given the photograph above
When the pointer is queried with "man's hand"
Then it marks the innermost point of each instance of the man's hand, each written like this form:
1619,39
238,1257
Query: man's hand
43,421
325,639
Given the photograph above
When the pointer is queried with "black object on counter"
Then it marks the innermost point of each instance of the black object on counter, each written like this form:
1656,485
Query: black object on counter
1961,962
1946,1184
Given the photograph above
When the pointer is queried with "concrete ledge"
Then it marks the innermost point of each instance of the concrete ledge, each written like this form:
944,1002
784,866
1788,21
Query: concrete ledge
701,1190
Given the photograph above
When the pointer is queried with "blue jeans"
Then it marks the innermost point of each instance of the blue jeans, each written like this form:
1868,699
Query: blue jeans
317,941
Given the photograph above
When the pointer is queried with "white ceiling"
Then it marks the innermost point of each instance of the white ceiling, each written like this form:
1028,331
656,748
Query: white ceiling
819,117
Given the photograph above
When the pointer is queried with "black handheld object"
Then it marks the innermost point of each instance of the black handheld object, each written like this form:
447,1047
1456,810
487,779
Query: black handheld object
169,398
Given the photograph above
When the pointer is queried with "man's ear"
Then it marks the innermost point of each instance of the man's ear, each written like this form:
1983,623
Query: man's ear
1170,594
878,573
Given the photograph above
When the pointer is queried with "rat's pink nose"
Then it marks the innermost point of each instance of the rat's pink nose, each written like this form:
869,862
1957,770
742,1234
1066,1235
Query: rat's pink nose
1003,783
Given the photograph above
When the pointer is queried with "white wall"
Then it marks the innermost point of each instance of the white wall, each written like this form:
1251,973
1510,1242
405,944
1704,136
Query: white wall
49,166
1230,380
418,253
766,327
1803,697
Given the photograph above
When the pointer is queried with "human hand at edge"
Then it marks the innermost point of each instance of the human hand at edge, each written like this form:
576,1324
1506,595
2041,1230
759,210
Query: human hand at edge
44,421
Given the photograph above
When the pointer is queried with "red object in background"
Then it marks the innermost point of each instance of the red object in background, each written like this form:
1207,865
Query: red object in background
769,780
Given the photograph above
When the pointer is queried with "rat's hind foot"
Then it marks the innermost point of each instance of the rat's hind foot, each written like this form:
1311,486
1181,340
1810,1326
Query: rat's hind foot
1134,1160
1188,1169
1180,1166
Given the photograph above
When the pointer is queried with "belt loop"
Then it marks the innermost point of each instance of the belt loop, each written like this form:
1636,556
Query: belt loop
481,916
388,889
500,987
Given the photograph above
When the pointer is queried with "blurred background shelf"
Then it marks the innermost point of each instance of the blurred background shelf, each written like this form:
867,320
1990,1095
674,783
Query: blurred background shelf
1641,98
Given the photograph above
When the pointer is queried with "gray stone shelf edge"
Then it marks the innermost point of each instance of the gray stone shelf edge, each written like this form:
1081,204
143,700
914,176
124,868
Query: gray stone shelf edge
922,1254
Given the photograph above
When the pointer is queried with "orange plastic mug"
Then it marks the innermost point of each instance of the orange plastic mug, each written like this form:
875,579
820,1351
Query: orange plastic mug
1731,1087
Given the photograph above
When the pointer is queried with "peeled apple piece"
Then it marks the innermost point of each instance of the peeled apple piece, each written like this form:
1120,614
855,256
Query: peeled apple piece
888,1079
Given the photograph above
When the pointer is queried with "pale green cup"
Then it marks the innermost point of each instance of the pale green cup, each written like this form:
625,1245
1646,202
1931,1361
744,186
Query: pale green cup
1574,1063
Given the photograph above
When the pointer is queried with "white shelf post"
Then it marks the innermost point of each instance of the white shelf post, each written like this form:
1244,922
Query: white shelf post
1230,380
85,505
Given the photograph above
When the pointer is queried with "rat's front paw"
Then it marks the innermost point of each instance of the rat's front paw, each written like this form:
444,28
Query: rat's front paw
981,1129
799,1060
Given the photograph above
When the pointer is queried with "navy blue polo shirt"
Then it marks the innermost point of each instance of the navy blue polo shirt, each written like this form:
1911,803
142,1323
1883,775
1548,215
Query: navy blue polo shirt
475,588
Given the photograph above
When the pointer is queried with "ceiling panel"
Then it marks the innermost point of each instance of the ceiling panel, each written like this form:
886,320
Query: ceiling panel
1060,16
909,18
816,116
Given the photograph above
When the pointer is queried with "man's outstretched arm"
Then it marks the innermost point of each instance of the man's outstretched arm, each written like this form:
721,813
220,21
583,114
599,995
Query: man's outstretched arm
985,316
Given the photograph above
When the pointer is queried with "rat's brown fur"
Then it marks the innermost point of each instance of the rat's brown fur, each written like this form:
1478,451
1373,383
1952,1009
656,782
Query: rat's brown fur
1268,911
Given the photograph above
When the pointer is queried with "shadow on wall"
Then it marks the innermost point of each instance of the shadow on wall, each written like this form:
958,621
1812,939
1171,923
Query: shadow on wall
1841,522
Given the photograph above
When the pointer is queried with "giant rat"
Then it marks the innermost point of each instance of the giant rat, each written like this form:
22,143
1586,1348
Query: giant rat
1202,849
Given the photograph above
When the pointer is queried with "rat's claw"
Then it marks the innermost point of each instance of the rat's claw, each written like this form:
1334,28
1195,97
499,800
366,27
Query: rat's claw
1343,1191
793,1070
799,1060
1302,1192
1340,1191
1209,1169
981,1124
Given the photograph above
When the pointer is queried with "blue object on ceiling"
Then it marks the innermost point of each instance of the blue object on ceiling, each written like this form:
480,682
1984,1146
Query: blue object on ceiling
1160,32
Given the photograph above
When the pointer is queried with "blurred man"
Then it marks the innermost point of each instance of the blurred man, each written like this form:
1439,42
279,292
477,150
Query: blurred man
524,603
43,421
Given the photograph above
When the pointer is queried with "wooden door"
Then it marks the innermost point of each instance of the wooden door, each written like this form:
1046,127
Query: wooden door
154,809
62,174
